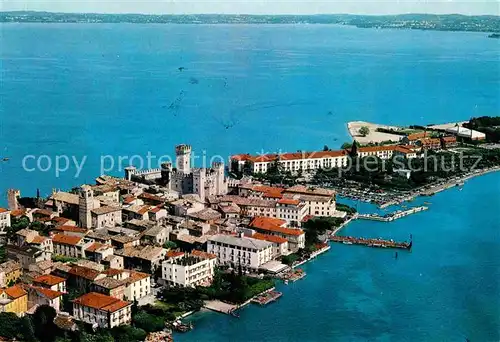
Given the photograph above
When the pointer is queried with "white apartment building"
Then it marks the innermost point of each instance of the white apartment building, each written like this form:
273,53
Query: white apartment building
294,162
4,219
102,311
190,270
235,251
138,285
71,246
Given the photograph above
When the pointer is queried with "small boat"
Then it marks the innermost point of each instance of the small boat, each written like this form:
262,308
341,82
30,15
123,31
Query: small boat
285,281
5,159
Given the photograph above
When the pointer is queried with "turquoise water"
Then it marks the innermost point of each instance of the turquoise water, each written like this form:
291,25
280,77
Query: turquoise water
446,289
92,90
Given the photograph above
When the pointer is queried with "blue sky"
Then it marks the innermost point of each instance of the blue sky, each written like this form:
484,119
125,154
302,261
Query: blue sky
258,6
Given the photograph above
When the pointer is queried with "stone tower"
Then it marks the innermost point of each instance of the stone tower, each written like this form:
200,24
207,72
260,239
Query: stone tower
85,206
12,196
129,172
199,182
220,184
183,158
166,173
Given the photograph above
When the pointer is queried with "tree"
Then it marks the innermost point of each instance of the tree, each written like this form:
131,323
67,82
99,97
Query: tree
325,148
170,245
9,325
364,131
27,329
43,320
354,149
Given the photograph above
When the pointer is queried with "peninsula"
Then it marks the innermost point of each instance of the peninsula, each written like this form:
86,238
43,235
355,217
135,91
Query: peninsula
448,22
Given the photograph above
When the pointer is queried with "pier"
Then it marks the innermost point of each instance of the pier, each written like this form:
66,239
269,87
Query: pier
381,243
266,298
392,216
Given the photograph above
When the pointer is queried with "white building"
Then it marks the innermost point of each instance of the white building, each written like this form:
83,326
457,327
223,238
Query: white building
43,296
4,219
101,310
138,285
291,210
235,251
190,270
294,162
466,133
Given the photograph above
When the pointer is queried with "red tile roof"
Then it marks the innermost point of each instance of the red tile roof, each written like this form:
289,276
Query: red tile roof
66,239
289,201
173,254
376,148
102,302
416,136
203,255
95,246
18,212
84,272
48,279
113,271
51,294
3,210
274,225
270,238
14,292
71,229
38,239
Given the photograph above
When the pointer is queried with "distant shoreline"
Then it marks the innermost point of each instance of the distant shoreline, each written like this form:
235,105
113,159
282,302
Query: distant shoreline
427,22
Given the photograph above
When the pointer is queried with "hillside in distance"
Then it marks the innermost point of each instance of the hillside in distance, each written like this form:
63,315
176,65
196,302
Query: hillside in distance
448,22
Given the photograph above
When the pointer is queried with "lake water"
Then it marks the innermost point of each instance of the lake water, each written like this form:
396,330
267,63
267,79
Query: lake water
121,90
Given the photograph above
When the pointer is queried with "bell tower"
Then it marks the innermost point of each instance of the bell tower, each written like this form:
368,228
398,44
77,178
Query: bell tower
85,206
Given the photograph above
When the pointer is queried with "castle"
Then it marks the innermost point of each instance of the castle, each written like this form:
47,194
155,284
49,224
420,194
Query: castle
183,178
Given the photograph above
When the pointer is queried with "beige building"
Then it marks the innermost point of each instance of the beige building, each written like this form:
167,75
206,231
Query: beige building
106,216
102,311
51,282
320,202
291,210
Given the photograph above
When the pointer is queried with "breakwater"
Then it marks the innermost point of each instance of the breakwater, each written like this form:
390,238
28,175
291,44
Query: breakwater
392,216
381,243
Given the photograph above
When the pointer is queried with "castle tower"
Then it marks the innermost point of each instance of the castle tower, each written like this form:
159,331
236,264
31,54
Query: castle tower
220,184
199,182
183,158
12,196
129,172
85,206
166,174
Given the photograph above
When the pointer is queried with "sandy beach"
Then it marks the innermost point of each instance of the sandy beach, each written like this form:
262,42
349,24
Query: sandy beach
373,136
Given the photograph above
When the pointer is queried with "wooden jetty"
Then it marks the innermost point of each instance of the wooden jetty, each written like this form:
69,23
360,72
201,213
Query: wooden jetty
381,243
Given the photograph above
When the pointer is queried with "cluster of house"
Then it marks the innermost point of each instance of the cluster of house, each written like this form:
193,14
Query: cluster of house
411,146
111,242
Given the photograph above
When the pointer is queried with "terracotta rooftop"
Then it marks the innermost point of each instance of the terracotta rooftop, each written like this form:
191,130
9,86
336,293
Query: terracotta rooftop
309,190
112,272
48,279
14,292
84,272
274,225
72,229
51,294
10,266
174,254
18,212
270,238
96,246
101,302
136,276
66,239
289,201
416,136
3,210
203,255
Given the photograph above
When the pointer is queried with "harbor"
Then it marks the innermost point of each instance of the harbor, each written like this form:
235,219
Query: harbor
380,243
392,216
